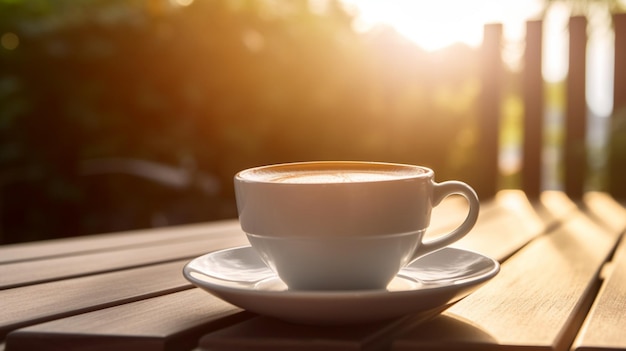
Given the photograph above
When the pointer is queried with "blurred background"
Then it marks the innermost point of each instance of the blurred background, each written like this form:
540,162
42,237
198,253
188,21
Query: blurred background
125,114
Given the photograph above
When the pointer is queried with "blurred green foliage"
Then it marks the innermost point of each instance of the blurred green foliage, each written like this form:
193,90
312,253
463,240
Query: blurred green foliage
216,86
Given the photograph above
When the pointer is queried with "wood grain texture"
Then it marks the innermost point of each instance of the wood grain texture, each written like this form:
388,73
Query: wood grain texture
451,212
604,328
170,322
603,208
514,222
264,333
552,253
43,302
31,272
110,241
539,298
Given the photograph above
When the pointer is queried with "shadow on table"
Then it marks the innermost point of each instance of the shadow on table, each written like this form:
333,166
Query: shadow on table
406,333
444,332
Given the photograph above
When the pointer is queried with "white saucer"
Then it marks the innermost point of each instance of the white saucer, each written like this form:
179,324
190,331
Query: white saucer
426,286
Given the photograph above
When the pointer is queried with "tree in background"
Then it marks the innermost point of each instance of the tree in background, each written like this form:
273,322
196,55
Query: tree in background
212,87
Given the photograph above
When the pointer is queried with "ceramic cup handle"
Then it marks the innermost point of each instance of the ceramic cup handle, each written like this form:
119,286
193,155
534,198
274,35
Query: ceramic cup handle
440,192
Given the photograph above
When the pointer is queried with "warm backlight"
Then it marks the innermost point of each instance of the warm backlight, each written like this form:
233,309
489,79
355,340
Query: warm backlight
436,24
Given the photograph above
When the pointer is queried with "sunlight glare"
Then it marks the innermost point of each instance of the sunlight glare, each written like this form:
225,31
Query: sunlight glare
181,2
555,43
600,56
433,25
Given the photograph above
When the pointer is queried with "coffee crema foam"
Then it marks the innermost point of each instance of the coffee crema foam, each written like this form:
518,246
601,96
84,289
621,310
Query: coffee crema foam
332,176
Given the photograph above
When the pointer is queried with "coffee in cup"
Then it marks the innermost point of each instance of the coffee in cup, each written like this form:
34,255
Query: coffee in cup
343,225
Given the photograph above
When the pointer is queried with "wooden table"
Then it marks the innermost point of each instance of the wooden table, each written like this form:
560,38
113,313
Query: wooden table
562,286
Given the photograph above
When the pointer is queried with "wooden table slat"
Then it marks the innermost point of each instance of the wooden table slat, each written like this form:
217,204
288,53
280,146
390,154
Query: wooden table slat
539,298
451,212
263,333
606,210
170,322
39,303
30,272
513,223
125,290
110,241
605,325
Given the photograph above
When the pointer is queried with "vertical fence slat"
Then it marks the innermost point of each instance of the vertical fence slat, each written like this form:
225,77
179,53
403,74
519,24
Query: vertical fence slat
617,152
575,155
533,110
491,71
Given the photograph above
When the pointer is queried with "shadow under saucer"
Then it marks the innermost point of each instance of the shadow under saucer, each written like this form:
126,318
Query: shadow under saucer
444,332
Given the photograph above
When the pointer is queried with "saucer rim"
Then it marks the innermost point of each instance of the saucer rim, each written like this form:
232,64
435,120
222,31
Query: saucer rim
345,307
334,294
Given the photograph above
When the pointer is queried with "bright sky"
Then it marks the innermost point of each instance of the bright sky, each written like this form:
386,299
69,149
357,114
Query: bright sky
435,24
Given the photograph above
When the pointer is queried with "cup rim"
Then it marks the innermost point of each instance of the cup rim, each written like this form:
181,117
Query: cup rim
338,237
245,175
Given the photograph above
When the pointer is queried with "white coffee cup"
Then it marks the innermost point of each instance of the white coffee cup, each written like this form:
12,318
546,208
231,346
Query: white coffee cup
343,225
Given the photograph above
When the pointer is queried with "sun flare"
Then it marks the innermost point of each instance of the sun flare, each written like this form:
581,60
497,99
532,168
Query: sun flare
433,25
